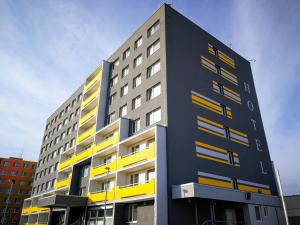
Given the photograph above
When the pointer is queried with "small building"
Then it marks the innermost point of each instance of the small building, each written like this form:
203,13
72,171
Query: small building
292,203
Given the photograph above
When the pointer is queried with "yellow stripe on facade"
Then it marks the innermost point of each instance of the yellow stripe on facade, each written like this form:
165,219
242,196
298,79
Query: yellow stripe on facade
210,147
213,182
248,188
204,106
209,121
206,59
235,83
238,132
205,102
207,67
232,99
211,158
231,91
237,141
229,73
211,132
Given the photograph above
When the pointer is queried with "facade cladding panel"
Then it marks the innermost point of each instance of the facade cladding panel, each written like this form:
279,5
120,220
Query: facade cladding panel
185,44
55,119
147,82
203,159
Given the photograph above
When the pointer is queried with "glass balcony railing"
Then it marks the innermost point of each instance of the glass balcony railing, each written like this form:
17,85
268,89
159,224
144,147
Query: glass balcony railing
84,154
90,83
63,183
86,134
135,190
90,99
106,143
88,116
133,158
101,169
66,163
100,196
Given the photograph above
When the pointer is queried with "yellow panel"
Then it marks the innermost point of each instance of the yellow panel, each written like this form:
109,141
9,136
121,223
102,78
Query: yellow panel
231,91
240,142
206,59
84,154
213,182
212,159
228,73
88,116
209,121
147,154
204,106
106,143
210,147
63,183
136,190
211,132
66,163
90,83
205,102
100,196
96,171
90,99
238,132
86,134
248,188
230,80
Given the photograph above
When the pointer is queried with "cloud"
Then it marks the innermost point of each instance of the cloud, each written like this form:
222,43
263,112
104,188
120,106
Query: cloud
265,31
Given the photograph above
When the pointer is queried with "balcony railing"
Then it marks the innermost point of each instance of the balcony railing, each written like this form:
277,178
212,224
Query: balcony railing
90,99
33,209
66,163
86,134
130,159
90,83
106,143
84,154
136,190
100,196
88,116
63,183
99,170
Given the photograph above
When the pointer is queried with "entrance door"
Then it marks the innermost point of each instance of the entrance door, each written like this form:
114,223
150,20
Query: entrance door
230,216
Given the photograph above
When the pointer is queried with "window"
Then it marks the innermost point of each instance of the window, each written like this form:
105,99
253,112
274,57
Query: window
110,118
6,163
137,81
65,121
4,172
82,191
115,63
107,160
235,184
61,114
73,102
135,125
74,127
227,132
104,186
77,111
79,97
137,61
69,131
68,108
63,135
134,178
150,175
26,165
257,213
125,71
153,69
124,90
153,92
153,117
72,143
13,173
223,109
132,213
126,53
59,126
114,80
153,48
123,111
221,89
230,158
136,102
85,171
16,164
24,174
112,98
71,116
138,42
153,28
266,212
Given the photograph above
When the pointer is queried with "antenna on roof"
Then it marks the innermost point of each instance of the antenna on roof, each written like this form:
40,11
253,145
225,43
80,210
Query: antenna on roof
230,45
169,4
252,60
21,154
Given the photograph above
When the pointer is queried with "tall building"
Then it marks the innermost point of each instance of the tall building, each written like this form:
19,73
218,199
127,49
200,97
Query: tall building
16,176
165,131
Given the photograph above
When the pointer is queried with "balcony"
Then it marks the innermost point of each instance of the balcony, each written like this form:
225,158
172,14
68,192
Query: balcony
128,160
66,163
91,83
136,190
106,143
84,154
86,134
33,209
88,116
99,170
63,183
89,99
100,196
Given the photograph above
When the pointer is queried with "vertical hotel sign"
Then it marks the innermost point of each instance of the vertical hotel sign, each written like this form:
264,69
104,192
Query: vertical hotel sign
251,108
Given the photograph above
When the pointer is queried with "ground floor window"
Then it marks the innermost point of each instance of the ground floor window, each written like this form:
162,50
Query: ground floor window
96,216
132,213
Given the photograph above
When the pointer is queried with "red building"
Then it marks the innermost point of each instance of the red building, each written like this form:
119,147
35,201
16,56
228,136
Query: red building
16,177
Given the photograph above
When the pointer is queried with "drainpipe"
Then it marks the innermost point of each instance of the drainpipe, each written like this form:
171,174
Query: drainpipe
281,196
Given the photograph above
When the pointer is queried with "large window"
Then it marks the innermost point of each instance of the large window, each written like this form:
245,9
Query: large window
135,125
124,90
134,179
125,71
112,98
257,213
132,213
153,48
153,117
136,102
137,61
153,69
138,42
123,111
126,53
95,216
114,80
110,118
155,27
153,92
137,81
